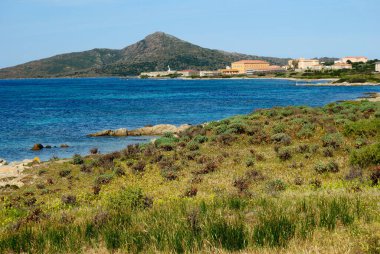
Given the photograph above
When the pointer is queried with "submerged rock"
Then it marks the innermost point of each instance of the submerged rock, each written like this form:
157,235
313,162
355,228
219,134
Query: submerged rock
37,147
64,146
155,130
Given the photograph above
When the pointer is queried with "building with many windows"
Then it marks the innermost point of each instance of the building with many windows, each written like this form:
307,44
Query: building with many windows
229,71
250,65
307,64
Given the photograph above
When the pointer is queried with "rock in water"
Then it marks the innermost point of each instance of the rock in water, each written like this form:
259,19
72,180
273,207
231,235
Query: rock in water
64,146
3,162
101,133
37,147
155,130
120,132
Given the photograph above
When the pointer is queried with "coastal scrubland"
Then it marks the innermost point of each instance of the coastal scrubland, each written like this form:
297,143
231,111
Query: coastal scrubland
280,180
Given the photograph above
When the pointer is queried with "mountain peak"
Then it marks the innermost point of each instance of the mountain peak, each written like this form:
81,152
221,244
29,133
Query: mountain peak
160,36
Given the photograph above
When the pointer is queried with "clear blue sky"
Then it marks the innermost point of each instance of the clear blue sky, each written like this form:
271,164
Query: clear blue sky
34,29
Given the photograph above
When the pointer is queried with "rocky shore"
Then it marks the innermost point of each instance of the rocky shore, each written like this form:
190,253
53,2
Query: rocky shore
345,84
12,173
374,97
155,130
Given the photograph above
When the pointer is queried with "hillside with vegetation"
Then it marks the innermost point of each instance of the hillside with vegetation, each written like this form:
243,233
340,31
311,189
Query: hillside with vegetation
281,180
153,53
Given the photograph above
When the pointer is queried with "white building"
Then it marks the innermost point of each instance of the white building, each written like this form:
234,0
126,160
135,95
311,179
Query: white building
305,64
353,59
188,73
155,74
377,67
209,73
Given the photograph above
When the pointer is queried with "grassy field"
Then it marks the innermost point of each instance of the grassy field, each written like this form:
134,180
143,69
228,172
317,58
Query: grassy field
281,180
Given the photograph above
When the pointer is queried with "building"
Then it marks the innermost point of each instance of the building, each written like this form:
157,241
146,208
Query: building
188,73
307,64
249,65
155,74
353,59
229,71
209,73
377,67
341,66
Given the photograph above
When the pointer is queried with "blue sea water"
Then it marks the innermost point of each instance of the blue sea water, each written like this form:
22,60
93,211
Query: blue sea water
57,111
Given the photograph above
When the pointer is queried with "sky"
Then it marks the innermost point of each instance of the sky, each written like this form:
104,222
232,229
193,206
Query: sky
35,29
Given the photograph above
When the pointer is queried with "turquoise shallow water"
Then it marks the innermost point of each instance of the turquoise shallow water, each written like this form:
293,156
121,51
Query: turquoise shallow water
57,111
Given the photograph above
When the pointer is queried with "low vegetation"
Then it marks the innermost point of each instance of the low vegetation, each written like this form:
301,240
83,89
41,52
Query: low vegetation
281,180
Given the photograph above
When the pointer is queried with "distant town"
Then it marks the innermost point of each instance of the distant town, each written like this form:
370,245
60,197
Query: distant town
261,67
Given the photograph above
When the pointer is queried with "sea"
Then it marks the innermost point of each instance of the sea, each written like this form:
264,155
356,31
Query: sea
64,111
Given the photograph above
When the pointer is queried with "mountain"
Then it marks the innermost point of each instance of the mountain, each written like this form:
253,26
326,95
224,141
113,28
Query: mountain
155,52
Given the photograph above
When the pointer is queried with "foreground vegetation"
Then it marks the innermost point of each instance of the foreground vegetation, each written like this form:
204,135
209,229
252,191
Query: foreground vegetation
282,180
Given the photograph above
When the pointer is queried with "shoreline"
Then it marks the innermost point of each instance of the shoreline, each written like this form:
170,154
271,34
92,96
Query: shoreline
13,171
178,78
329,83
344,84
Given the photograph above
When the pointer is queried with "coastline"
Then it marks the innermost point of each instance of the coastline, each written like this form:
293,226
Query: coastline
12,173
180,78
344,84
329,83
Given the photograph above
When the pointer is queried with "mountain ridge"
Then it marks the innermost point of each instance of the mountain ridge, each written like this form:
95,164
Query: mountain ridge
155,52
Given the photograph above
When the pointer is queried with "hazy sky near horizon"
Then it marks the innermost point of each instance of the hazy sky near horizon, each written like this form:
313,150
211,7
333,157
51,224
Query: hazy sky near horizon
34,29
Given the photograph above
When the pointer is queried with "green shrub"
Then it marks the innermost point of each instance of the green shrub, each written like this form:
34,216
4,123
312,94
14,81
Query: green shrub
77,159
281,138
236,128
279,128
332,167
192,146
334,140
139,166
363,128
166,143
276,185
103,179
328,152
284,153
286,112
200,139
168,135
64,172
307,131
366,156
250,162
128,198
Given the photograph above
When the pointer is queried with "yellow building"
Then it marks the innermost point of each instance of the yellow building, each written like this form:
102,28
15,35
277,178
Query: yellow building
249,65
229,71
